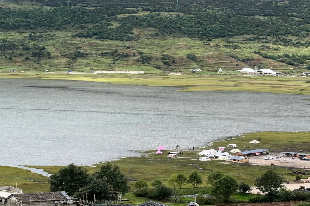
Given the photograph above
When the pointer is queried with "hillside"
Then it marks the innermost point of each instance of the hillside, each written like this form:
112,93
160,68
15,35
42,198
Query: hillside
154,36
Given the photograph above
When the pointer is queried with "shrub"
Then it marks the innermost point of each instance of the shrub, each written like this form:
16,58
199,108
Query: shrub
209,200
259,199
285,195
298,177
301,196
142,192
243,187
160,193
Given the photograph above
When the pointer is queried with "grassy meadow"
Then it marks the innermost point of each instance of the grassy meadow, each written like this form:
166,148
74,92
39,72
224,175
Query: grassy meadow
197,82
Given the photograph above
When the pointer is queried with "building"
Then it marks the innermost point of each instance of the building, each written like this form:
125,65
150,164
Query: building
247,71
42,198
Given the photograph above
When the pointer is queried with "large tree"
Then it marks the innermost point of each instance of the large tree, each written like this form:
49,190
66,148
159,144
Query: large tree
195,179
214,176
270,182
71,179
114,180
177,180
224,187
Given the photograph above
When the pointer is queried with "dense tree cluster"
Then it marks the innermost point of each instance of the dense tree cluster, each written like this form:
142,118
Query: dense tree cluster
101,184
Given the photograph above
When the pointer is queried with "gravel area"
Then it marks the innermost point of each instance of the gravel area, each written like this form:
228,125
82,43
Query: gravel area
281,162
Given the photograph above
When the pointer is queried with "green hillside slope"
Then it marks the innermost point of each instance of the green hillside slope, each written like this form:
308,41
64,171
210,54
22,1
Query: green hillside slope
154,36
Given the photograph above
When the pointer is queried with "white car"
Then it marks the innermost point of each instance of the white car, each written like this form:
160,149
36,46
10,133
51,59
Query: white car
268,158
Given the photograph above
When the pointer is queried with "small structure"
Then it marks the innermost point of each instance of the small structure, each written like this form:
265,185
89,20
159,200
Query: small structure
305,74
161,148
40,199
247,71
172,155
254,142
6,191
221,148
255,152
204,159
239,159
232,145
235,150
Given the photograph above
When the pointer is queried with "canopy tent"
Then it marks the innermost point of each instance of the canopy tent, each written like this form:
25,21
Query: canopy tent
221,148
161,148
254,142
159,152
235,150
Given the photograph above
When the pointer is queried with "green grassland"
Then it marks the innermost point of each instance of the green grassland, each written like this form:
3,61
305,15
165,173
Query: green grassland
197,82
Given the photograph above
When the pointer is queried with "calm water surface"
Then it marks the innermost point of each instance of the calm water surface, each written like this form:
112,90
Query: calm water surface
49,122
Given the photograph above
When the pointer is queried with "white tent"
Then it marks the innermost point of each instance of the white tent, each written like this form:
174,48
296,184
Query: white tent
254,142
223,158
210,152
235,150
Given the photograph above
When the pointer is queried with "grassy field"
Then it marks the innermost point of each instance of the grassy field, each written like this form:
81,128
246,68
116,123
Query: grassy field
197,82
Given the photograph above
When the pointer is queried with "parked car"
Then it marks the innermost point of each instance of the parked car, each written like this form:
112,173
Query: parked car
268,158
305,158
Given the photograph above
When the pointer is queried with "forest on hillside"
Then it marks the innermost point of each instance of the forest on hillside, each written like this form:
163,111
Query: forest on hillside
281,23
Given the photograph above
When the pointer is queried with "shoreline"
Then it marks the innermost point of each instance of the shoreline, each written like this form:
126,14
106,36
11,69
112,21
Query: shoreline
265,84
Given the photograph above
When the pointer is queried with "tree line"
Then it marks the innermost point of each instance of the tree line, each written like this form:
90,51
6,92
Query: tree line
108,182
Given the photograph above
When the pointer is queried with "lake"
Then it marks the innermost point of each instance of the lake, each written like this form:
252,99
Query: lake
50,122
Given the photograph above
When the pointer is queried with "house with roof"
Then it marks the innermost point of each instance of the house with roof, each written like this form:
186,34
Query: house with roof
6,191
42,198
254,152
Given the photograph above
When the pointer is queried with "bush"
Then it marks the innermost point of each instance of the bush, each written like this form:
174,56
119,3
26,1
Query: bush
142,192
301,196
304,204
285,195
259,199
209,200
298,177
243,187
160,193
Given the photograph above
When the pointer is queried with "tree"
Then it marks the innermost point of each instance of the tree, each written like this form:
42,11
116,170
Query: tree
142,188
177,180
97,188
113,178
173,180
71,179
194,179
181,179
270,182
157,183
224,187
214,176
141,184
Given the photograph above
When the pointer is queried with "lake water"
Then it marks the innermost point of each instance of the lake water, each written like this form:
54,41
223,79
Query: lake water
49,122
